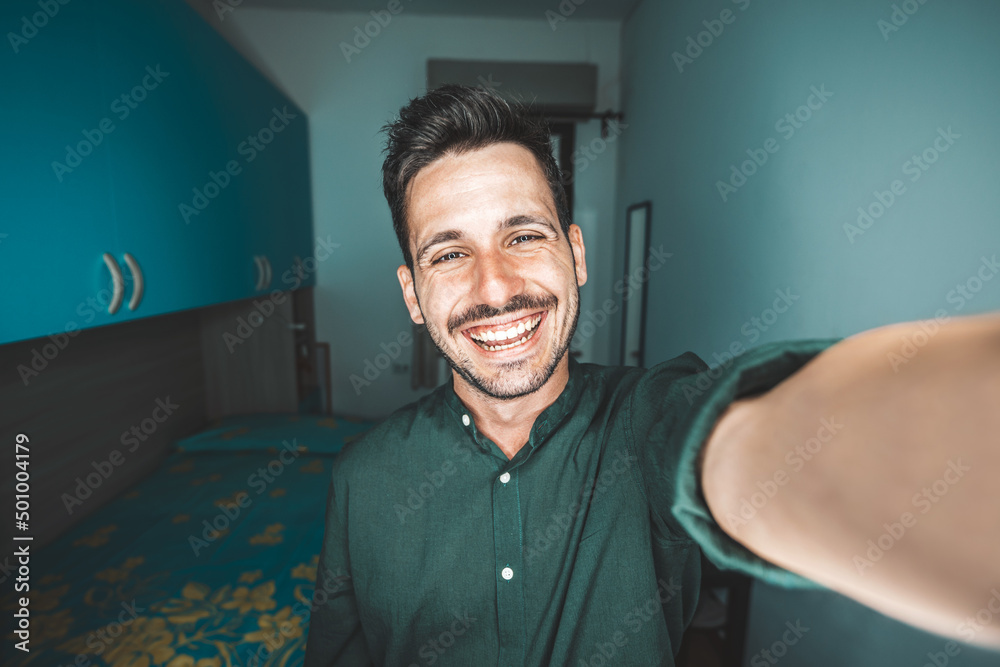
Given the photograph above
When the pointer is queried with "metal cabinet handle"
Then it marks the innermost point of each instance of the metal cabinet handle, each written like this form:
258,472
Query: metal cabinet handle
139,283
260,272
118,292
267,267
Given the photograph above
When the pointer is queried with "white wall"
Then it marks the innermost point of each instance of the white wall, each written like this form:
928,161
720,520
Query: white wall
358,302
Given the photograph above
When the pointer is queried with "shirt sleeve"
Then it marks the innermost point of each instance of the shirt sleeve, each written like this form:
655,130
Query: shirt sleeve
674,407
335,636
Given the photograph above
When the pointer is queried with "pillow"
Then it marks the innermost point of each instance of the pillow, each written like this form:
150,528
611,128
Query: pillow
315,434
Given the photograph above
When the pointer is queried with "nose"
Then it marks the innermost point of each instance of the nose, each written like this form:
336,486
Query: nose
497,279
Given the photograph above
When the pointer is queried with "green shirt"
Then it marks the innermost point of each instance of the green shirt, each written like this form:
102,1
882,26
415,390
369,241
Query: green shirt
582,550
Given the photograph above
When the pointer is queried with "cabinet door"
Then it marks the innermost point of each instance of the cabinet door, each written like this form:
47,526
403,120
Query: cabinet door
179,211
57,212
273,146
296,203
281,222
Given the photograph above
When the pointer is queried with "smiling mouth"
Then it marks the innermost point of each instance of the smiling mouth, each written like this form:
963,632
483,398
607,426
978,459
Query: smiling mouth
505,336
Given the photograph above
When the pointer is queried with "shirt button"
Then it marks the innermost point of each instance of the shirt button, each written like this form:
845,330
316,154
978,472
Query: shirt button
507,573
465,419
505,477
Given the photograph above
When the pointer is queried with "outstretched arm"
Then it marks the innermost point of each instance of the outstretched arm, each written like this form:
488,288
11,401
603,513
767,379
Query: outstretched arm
875,471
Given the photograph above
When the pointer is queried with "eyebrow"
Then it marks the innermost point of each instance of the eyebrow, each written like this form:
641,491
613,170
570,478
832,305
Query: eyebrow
457,234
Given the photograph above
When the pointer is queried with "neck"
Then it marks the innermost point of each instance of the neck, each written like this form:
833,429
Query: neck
508,422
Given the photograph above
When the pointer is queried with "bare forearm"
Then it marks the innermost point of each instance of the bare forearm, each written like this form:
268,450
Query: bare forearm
875,471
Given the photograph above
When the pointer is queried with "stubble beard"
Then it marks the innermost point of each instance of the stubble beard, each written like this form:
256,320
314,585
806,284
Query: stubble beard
511,380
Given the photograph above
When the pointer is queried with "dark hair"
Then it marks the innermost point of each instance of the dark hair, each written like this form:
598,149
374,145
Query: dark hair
456,119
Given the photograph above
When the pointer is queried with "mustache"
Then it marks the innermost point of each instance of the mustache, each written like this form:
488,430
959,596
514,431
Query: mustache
485,312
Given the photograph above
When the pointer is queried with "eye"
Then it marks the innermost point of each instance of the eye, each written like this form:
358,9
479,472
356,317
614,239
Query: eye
523,238
449,256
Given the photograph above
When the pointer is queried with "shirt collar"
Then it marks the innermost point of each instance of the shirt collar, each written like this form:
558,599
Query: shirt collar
546,421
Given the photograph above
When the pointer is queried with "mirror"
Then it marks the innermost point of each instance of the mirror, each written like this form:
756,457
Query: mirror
637,224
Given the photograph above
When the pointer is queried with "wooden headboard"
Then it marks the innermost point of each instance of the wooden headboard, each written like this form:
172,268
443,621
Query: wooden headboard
135,388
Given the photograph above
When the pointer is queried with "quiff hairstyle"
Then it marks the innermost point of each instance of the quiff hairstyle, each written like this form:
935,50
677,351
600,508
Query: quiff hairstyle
455,119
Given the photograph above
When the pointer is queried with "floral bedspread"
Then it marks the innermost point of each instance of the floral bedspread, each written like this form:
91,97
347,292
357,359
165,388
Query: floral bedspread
210,561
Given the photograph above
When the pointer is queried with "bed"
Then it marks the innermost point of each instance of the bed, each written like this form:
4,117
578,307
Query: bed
209,561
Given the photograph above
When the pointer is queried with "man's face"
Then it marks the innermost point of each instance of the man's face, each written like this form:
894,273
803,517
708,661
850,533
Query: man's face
494,279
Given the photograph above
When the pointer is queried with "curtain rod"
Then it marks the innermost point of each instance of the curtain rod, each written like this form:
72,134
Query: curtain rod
605,118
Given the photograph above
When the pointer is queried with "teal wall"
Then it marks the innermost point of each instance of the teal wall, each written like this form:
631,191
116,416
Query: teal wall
838,632
783,229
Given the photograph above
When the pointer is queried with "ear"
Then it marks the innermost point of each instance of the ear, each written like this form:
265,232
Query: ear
579,254
409,293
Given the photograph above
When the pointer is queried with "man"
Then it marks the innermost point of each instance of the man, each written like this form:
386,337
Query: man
538,511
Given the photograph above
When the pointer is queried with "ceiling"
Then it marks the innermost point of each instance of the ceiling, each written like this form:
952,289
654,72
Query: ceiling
588,9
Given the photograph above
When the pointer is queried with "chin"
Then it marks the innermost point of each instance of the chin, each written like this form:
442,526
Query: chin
502,371
511,378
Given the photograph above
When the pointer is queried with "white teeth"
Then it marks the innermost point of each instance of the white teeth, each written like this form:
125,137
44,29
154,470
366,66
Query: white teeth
495,348
510,334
